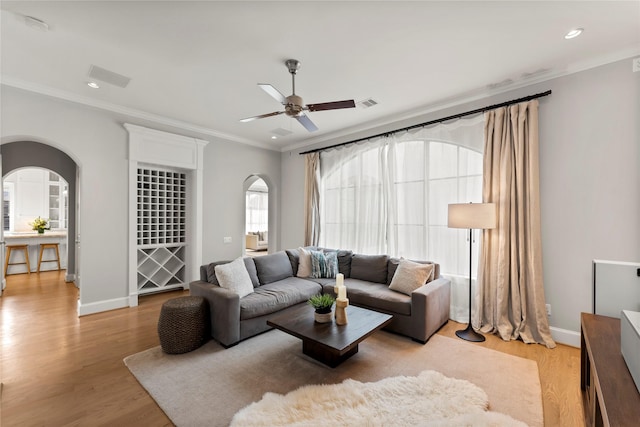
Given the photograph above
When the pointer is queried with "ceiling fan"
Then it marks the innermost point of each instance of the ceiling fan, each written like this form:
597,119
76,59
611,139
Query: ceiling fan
293,104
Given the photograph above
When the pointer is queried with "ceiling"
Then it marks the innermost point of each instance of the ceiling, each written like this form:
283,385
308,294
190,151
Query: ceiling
196,65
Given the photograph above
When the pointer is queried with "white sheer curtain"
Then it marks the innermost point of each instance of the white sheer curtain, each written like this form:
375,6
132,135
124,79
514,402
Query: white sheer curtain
391,195
353,206
257,216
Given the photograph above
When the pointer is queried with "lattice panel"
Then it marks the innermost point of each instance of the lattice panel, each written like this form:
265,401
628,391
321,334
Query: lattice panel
159,268
161,207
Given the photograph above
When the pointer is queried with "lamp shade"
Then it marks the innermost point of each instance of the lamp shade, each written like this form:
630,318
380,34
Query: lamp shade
472,215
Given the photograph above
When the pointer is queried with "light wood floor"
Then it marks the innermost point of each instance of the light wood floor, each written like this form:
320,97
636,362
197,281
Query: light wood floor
58,369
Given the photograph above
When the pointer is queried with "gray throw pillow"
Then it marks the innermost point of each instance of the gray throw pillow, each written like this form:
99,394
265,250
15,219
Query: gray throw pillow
251,269
294,259
273,267
372,268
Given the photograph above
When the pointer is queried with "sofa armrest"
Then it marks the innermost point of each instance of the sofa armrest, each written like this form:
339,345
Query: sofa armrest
430,305
224,308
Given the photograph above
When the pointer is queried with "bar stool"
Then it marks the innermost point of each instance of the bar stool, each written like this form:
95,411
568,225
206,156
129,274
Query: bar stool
44,246
11,248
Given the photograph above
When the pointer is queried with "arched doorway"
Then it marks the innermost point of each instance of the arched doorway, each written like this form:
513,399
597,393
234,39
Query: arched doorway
30,154
256,216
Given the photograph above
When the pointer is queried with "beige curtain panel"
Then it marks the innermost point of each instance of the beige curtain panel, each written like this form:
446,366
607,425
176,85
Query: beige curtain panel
510,299
312,199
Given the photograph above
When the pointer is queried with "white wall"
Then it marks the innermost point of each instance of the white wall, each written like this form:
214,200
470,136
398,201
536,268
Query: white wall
227,166
98,142
590,182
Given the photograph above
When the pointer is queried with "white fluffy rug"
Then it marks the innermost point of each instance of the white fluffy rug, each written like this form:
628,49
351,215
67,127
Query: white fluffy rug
430,399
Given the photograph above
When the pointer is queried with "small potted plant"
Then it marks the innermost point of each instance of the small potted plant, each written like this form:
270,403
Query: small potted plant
323,305
40,224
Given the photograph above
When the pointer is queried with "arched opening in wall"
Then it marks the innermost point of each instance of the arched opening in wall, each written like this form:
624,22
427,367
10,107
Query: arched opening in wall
39,181
35,212
256,216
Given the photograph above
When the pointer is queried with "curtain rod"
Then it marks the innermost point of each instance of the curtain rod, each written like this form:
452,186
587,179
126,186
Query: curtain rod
444,119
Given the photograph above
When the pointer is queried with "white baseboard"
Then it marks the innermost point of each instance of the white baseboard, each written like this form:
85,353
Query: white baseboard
565,336
133,300
100,306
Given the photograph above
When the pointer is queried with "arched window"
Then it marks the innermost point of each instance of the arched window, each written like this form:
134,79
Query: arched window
391,196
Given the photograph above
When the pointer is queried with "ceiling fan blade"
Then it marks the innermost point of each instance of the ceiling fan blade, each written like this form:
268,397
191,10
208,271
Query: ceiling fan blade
273,92
262,116
331,105
306,122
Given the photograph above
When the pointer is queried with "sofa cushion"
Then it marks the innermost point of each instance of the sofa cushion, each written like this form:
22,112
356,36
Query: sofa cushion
304,263
323,264
251,269
393,263
248,263
273,267
211,272
371,268
235,277
376,296
410,275
277,296
294,257
344,260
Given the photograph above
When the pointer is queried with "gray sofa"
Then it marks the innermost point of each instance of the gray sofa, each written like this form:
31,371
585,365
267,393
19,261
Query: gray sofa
276,288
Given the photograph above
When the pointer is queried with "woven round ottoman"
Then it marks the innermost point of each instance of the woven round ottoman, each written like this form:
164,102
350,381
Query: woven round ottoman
182,326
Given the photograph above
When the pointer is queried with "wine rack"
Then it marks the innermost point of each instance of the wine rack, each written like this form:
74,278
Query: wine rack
161,229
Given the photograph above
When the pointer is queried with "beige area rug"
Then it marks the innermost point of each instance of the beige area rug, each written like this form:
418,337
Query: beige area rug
208,386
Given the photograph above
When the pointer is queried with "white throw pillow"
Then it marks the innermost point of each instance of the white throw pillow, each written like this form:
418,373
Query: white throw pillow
410,276
235,277
304,263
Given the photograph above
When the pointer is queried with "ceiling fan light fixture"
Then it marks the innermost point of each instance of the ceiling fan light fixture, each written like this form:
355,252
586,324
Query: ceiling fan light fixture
573,33
294,106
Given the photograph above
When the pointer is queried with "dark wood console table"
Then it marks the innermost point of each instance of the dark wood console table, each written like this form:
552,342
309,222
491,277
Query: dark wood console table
609,395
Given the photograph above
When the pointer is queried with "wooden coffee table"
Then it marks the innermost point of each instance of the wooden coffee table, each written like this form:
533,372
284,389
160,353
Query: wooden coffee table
327,342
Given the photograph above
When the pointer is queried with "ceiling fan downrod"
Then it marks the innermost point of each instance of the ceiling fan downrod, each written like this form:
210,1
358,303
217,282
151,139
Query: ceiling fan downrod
293,65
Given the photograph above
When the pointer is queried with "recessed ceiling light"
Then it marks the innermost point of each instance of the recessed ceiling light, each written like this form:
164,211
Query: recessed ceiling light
93,85
274,137
573,33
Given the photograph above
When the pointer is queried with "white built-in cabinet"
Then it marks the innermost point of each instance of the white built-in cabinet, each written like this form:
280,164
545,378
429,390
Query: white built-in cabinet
35,192
165,218
161,228
57,201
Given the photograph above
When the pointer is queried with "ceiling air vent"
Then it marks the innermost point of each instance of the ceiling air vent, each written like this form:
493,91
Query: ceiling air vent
107,76
281,132
366,103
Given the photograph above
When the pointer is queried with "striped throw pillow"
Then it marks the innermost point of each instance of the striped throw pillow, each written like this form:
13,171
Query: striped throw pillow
324,264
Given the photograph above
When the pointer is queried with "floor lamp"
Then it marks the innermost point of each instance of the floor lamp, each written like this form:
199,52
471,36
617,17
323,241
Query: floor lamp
472,216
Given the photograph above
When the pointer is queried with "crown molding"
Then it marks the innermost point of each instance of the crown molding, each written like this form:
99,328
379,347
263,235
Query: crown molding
125,111
461,99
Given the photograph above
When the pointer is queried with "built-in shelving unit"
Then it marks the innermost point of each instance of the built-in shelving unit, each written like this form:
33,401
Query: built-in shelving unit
58,201
165,210
161,228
